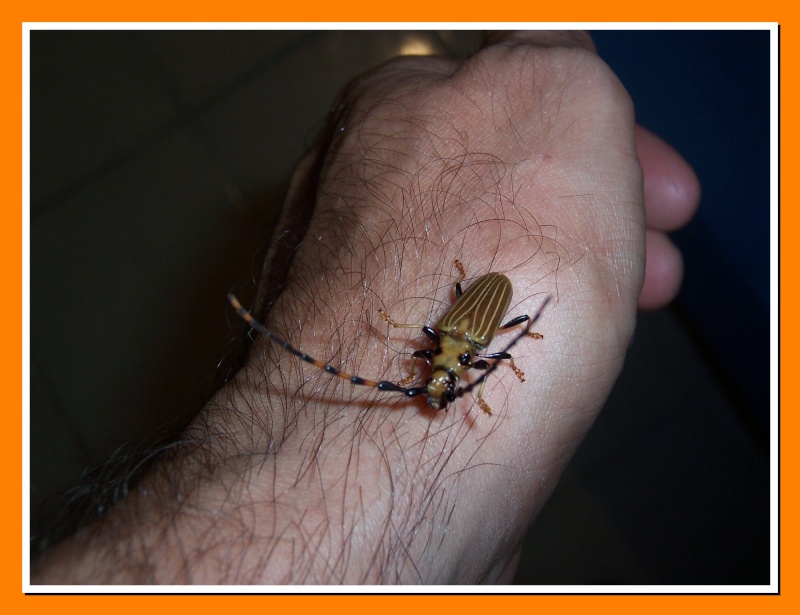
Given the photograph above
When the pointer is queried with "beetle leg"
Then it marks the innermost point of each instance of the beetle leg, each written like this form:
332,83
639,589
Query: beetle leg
519,373
481,403
515,321
462,273
427,355
424,354
482,364
399,325
518,321
499,356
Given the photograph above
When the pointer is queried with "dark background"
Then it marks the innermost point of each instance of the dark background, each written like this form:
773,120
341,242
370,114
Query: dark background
158,160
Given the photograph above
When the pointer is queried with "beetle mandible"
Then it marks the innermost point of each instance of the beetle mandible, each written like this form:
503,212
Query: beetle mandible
465,330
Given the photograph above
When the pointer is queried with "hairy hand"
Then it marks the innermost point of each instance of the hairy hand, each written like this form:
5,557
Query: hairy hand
524,159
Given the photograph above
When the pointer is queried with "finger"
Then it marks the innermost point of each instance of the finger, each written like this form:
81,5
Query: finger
663,272
540,38
671,188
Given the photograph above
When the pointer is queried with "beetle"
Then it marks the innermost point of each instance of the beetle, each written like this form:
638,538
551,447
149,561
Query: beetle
465,330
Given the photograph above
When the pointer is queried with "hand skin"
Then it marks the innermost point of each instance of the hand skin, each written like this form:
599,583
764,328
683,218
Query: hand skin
524,159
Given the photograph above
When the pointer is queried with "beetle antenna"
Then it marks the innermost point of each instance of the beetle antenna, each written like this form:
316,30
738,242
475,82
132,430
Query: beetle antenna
381,385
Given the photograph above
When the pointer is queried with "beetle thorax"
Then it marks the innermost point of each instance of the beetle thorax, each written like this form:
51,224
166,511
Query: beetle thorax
452,349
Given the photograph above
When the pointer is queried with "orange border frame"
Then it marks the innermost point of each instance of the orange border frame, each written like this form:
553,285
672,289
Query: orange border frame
353,10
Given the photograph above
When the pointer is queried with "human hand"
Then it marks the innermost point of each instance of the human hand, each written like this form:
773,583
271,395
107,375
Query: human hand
523,159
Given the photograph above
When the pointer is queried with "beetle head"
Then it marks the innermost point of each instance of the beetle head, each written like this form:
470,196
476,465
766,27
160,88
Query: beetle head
441,389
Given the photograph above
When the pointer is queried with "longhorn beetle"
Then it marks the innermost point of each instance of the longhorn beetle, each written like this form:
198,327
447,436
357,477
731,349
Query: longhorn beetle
465,329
